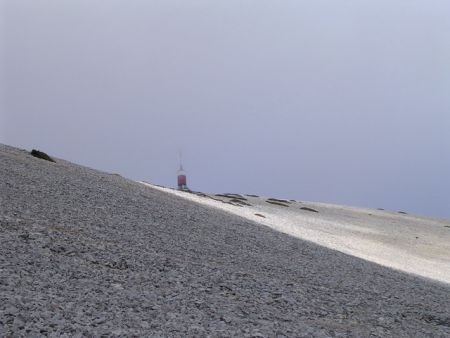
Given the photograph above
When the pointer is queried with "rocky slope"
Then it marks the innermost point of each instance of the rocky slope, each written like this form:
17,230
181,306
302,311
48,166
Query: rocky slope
86,253
413,244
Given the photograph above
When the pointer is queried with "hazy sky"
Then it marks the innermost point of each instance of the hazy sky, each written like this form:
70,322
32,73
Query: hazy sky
322,100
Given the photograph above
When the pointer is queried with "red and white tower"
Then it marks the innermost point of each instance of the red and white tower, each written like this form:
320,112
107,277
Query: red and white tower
181,178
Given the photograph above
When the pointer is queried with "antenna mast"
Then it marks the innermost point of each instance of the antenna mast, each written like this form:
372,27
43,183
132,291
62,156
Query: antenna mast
180,156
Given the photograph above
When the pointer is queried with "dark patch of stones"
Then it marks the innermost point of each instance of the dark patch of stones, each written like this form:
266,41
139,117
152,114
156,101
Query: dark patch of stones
278,200
277,203
308,209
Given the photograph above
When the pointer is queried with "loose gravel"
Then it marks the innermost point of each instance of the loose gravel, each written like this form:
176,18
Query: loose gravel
87,253
413,244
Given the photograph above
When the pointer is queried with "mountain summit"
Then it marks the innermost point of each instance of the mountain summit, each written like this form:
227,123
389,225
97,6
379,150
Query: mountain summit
88,253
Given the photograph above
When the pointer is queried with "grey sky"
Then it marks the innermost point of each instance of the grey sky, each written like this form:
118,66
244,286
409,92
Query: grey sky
335,101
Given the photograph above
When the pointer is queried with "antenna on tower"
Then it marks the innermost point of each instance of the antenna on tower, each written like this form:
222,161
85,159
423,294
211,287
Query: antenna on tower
180,157
181,178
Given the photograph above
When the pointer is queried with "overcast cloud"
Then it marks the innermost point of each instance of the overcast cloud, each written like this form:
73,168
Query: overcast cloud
323,100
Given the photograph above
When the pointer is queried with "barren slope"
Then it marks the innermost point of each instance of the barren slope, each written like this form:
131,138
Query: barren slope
90,253
418,245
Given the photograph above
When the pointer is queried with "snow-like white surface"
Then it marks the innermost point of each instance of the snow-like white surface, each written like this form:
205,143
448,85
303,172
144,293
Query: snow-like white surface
408,243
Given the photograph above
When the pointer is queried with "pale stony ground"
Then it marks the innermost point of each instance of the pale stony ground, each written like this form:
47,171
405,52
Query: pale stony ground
418,245
86,253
